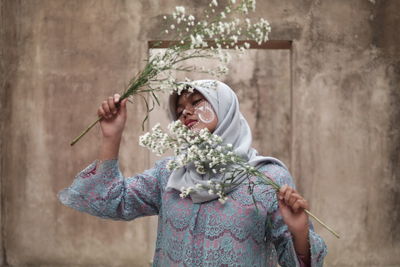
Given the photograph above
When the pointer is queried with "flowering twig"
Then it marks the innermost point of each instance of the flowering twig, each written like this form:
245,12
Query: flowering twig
195,37
209,155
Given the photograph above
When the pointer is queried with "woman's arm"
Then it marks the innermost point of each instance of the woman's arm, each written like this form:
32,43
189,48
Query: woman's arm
100,189
291,206
112,125
293,237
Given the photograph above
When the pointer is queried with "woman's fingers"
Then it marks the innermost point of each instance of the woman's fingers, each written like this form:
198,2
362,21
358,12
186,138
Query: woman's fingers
292,199
282,191
106,109
288,194
123,107
299,204
100,112
111,105
116,98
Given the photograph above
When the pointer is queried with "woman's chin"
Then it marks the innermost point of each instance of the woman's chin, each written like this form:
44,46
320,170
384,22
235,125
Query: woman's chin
197,127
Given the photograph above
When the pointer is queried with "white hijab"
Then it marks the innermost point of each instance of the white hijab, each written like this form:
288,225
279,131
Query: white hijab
232,127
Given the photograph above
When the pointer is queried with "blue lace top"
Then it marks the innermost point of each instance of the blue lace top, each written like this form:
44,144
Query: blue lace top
206,234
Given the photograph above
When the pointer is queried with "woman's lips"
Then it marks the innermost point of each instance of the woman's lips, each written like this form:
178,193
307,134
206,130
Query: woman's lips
190,123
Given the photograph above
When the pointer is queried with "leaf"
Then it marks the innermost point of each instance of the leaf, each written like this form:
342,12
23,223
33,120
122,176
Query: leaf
155,97
255,203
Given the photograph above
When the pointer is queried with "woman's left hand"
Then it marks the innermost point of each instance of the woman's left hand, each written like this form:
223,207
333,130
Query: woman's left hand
291,206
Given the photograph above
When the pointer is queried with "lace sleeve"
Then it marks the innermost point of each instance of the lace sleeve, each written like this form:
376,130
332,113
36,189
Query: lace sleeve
101,190
280,234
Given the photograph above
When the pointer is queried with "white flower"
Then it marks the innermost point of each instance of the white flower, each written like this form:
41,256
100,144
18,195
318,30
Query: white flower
223,200
214,2
172,26
234,38
180,9
197,41
186,191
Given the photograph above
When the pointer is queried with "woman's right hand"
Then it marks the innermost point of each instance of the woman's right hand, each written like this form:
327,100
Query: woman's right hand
113,118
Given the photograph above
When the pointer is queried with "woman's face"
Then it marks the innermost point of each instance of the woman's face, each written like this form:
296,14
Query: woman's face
194,111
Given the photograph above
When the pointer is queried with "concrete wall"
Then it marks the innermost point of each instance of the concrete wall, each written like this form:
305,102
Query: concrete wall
59,59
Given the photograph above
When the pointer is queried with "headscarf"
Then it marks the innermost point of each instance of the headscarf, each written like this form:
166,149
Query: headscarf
232,127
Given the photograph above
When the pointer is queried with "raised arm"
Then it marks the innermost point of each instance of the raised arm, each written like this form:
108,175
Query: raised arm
100,189
112,125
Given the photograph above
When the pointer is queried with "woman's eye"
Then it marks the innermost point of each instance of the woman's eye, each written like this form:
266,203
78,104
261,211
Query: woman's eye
197,101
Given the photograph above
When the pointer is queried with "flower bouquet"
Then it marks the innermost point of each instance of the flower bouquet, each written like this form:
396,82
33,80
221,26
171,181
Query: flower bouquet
197,38
209,155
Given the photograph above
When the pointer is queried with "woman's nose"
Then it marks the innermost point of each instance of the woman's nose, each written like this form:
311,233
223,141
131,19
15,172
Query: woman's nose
188,110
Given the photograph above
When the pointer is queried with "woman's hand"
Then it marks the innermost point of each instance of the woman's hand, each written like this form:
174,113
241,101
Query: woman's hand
291,206
113,118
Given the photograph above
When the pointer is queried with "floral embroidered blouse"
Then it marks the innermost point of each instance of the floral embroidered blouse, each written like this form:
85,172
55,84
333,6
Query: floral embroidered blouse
206,234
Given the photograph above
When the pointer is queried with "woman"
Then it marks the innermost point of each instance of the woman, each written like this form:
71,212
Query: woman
199,230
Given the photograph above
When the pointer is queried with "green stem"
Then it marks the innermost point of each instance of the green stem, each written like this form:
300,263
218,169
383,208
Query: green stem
322,223
85,131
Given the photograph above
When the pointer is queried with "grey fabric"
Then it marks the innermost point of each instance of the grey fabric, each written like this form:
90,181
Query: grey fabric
232,127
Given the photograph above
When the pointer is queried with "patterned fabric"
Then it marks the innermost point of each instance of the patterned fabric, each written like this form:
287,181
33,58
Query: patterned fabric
206,234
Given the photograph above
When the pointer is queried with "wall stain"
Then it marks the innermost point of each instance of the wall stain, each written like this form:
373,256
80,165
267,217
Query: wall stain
385,27
394,146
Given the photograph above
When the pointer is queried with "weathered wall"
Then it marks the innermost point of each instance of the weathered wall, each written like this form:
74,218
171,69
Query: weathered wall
59,59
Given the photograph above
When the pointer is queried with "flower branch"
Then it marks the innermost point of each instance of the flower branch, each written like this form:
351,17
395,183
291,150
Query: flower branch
195,37
209,155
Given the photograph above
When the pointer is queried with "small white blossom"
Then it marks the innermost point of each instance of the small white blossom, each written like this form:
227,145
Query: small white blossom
223,200
186,191
180,9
